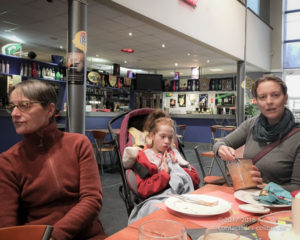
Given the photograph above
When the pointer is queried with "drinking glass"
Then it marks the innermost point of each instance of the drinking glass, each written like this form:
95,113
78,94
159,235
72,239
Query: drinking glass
240,174
221,234
162,229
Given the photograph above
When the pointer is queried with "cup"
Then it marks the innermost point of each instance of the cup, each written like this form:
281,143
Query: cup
162,229
221,234
240,174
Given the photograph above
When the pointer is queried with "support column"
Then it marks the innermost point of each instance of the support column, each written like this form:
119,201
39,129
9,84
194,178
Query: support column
76,67
241,75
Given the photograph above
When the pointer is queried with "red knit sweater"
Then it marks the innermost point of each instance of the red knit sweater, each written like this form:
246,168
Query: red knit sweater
52,180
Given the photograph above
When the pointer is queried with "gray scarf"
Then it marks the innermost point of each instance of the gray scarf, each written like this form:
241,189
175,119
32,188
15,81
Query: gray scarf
264,132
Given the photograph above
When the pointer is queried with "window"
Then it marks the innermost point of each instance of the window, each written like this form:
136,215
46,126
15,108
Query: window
292,34
253,5
293,82
292,4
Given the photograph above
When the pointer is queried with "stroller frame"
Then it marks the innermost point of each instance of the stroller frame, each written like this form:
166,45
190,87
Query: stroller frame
124,191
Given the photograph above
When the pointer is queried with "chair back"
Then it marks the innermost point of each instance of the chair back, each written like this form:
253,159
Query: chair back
32,232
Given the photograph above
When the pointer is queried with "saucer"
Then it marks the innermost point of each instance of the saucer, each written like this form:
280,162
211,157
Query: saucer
253,208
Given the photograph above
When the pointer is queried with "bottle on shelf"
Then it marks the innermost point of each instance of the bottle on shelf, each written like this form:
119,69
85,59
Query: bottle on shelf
57,75
29,70
21,69
39,73
25,72
3,67
7,67
34,70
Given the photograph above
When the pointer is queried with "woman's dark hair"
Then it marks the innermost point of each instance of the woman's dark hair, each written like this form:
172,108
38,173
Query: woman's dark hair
38,90
264,79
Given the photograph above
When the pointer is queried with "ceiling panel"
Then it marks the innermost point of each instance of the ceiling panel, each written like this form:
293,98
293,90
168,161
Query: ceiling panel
43,26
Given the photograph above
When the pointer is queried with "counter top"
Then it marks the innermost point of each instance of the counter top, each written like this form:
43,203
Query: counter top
206,116
4,113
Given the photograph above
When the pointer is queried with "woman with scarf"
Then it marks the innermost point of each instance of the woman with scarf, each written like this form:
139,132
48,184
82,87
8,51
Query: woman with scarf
50,177
281,164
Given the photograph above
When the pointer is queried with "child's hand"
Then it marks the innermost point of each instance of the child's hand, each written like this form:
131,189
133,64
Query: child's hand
164,163
172,156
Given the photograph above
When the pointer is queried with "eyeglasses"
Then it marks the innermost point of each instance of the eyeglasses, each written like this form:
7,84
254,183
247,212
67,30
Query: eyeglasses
22,106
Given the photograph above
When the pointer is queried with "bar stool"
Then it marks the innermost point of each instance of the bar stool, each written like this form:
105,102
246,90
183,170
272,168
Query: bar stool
207,175
102,146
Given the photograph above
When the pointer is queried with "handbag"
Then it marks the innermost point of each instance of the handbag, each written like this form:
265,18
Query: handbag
274,144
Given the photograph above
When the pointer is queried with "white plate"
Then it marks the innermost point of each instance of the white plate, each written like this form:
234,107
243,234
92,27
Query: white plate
196,210
276,233
247,196
254,208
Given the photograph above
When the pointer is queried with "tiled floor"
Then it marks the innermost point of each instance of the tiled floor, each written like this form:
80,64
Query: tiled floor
113,214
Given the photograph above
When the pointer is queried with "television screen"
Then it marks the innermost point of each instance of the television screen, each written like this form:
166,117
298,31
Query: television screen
152,82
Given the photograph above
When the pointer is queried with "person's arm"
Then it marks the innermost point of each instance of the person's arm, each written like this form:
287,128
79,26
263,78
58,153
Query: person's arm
294,183
225,147
9,193
154,184
90,194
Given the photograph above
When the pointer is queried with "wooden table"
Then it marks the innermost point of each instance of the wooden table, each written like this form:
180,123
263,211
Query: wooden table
131,232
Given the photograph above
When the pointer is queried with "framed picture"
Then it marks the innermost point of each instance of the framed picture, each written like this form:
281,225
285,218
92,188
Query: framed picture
183,84
172,102
181,100
204,84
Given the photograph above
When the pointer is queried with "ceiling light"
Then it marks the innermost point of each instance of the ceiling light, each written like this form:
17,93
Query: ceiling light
208,61
97,55
14,38
127,50
125,61
216,69
97,60
61,47
130,34
163,45
189,54
176,64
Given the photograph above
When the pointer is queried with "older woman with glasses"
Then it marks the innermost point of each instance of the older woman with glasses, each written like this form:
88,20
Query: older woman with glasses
50,177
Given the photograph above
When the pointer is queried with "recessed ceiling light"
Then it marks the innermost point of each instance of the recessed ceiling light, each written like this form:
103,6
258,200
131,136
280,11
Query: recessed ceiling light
14,38
61,47
216,69
130,34
97,55
163,45
125,61
208,61
189,54
176,64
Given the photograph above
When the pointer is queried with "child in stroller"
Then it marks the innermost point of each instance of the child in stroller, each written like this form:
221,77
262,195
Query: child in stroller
160,170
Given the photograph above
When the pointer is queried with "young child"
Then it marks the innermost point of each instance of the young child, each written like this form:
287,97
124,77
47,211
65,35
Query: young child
164,172
156,155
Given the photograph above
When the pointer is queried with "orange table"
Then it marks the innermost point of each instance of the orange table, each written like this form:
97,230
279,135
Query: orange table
131,232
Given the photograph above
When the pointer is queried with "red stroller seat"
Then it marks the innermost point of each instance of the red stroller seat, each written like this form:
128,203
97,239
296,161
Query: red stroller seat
135,118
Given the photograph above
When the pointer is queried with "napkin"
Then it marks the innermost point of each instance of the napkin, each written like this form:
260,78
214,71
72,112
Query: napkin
274,194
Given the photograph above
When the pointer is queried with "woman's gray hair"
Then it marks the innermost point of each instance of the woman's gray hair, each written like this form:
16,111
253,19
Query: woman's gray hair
38,90
263,79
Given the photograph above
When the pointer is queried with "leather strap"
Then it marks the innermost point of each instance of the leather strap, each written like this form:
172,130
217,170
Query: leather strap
274,144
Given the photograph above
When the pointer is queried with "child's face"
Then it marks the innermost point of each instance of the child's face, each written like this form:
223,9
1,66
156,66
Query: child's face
162,139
